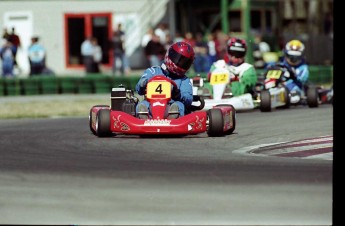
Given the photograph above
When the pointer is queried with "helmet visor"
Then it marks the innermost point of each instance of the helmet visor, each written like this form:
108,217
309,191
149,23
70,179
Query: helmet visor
294,56
295,59
180,60
237,54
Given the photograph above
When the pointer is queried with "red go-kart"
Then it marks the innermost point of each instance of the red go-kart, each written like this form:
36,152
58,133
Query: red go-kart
121,118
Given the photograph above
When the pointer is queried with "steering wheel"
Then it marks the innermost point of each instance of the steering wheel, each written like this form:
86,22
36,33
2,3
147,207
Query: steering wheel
162,77
284,68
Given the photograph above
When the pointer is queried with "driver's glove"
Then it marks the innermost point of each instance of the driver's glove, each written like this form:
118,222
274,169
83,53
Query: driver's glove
233,73
176,94
286,75
143,84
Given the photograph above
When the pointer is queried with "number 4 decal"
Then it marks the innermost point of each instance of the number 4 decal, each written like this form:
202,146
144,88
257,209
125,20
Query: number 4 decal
159,89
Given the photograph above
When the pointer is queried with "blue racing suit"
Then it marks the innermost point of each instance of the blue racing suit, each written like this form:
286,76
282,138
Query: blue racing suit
183,84
302,76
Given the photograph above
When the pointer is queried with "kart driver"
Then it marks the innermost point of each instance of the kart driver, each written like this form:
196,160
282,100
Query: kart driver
243,77
177,61
295,61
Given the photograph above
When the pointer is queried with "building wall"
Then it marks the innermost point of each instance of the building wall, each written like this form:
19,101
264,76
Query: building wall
48,23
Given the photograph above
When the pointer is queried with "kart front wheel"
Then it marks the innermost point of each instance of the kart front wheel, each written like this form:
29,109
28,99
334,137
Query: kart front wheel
103,123
265,101
215,122
233,117
90,117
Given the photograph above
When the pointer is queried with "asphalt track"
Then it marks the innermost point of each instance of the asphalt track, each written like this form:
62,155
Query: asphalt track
55,171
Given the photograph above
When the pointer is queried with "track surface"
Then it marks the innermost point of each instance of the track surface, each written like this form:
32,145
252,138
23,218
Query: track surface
55,171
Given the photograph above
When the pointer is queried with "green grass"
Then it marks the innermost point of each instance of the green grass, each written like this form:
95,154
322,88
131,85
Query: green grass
47,109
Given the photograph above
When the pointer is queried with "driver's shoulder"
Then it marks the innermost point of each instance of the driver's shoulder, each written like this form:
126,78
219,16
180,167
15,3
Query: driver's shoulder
245,66
152,71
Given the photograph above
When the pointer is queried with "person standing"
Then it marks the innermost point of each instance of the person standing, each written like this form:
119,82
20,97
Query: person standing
124,56
118,63
212,52
155,51
87,54
37,57
7,58
201,63
5,34
147,37
15,40
97,55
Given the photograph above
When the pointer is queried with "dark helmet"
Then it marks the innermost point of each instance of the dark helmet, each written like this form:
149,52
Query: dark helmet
237,49
179,57
294,52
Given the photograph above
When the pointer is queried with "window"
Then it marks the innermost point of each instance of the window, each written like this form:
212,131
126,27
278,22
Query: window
80,26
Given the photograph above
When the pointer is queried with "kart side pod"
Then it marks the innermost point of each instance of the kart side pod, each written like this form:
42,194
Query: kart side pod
121,102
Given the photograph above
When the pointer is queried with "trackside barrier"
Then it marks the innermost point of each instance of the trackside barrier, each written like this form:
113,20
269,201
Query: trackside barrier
99,83
40,85
321,74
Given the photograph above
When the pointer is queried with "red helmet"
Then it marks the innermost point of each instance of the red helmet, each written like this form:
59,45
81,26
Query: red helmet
237,49
179,58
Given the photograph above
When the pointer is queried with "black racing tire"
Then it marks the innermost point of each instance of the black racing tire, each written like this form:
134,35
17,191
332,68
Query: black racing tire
230,131
312,97
103,123
90,117
215,122
90,122
265,101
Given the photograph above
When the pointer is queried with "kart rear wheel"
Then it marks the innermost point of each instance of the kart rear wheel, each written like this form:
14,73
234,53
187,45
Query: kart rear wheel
265,101
312,97
103,123
215,122
233,117
90,117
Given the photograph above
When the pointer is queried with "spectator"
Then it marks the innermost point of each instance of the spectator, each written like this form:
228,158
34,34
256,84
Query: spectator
144,41
37,57
328,24
155,51
7,57
221,44
118,49
97,55
147,37
5,34
201,55
168,41
178,37
15,40
87,54
124,57
212,53
188,37
161,31
260,47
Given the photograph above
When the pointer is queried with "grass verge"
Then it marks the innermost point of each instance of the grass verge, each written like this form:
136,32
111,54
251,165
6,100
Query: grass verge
49,108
